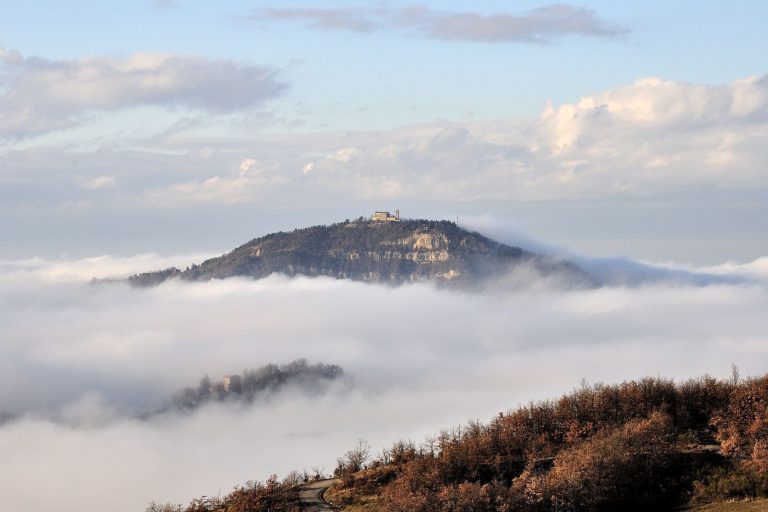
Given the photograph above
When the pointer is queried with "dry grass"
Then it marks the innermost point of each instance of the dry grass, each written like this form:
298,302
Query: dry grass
731,506
365,494
353,502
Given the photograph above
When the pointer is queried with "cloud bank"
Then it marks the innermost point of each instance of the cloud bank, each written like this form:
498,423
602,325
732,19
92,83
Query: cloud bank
538,25
421,359
654,138
651,138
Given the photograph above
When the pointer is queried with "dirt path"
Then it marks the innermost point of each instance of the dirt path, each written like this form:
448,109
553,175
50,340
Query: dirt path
311,495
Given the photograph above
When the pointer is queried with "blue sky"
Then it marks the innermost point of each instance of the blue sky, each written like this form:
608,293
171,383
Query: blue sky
106,107
386,79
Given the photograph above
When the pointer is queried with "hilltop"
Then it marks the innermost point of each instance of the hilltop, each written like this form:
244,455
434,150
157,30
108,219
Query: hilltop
374,251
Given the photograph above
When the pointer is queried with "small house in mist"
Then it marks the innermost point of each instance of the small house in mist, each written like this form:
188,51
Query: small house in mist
232,383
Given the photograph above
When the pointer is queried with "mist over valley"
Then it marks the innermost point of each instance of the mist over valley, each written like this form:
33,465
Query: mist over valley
88,360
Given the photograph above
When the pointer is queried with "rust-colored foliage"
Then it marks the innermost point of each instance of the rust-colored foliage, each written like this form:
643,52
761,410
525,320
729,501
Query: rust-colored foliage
620,468
742,428
270,496
596,448
602,447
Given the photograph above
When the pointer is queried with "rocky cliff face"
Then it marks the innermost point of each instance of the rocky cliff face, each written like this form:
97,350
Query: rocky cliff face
392,252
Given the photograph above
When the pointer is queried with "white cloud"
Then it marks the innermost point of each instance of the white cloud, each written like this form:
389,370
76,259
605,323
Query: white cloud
245,187
87,269
756,269
39,95
652,137
344,155
655,105
98,182
246,165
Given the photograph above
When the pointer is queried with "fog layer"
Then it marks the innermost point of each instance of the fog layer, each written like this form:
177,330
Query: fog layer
78,359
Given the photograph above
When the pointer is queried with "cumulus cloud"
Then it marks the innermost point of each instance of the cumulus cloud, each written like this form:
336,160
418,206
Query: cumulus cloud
649,138
537,25
98,182
657,136
245,187
653,104
77,359
39,95
246,165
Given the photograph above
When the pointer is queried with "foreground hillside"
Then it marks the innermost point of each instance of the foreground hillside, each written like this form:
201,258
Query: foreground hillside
640,445
363,250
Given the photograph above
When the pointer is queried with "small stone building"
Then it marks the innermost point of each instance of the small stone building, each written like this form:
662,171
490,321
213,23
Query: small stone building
386,216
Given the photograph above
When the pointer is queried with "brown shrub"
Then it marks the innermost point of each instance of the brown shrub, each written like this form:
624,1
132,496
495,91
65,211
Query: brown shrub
698,399
624,467
742,428
467,497
415,488
271,496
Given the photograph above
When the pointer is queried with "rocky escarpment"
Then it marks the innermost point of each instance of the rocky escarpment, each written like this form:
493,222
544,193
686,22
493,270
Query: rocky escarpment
362,250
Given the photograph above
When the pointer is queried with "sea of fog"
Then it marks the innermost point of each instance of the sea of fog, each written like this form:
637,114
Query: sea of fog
80,361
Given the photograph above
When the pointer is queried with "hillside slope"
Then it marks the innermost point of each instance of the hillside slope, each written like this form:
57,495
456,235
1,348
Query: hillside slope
648,444
362,250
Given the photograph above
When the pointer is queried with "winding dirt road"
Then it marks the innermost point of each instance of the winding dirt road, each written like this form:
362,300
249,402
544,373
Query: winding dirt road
311,495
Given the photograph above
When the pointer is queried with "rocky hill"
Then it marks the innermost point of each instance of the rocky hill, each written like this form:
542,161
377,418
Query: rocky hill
374,251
